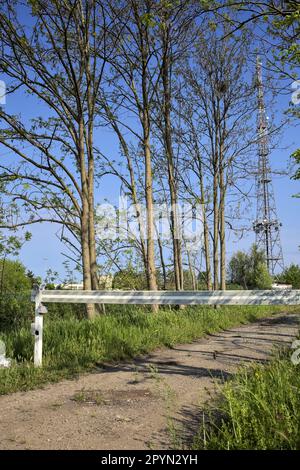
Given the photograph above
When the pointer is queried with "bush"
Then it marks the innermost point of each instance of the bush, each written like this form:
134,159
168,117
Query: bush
249,270
261,277
130,279
15,289
16,307
291,275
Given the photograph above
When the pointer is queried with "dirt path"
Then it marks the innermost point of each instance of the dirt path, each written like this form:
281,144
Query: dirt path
128,406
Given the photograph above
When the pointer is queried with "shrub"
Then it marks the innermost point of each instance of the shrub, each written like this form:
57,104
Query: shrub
291,275
249,270
129,279
261,277
15,288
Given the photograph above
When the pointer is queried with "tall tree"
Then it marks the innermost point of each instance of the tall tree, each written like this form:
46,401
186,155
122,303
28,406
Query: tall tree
59,60
176,33
219,130
135,74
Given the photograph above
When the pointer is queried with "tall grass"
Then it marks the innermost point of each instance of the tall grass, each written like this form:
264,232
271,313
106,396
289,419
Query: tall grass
72,345
258,409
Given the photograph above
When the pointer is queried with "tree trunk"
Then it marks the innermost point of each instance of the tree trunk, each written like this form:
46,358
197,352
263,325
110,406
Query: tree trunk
205,230
86,265
192,272
177,249
151,269
216,231
132,187
222,229
150,217
162,261
85,224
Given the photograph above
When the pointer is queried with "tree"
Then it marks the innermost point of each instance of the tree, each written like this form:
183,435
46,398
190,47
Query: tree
296,176
253,11
153,36
239,269
261,277
176,31
291,275
280,22
249,270
130,279
10,242
218,134
134,72
15,305
59,60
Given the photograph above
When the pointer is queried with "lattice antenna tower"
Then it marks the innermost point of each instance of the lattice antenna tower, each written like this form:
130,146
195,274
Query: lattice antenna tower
266,226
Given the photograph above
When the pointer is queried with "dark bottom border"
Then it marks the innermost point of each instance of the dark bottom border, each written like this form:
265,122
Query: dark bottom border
133,459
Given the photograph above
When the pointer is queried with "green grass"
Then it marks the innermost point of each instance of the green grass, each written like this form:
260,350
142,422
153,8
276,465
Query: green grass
75,345
259,409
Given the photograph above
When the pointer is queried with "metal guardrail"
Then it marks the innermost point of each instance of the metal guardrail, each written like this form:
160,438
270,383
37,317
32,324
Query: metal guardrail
234,297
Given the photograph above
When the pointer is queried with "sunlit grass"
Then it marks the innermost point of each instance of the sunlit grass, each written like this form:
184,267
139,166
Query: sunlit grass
258,409
73,345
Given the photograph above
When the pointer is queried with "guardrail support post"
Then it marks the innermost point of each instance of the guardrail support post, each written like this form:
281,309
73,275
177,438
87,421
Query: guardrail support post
37,326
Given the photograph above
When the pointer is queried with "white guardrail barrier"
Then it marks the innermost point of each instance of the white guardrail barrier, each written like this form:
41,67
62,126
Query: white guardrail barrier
231,297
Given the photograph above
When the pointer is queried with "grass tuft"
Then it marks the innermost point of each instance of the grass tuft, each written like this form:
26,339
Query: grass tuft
259,409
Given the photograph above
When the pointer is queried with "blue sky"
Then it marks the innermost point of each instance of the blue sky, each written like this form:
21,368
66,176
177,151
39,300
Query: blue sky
44,250
288,207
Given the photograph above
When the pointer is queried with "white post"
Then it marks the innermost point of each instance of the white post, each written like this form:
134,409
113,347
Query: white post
38,341
38,328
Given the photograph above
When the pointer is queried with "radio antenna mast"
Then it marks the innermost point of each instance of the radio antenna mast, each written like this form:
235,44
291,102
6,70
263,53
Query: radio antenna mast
266,226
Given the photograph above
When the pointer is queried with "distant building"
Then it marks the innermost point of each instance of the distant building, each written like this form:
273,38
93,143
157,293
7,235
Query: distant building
105,283
278,285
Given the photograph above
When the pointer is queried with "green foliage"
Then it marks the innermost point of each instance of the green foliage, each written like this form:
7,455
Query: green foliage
34,6
258,410
238,269
286,29
249,270
129,279
15,287
261,277
230,286
10,245
13,276
34,280
291,275
212,25
72,345
148,20
207,4
296,176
